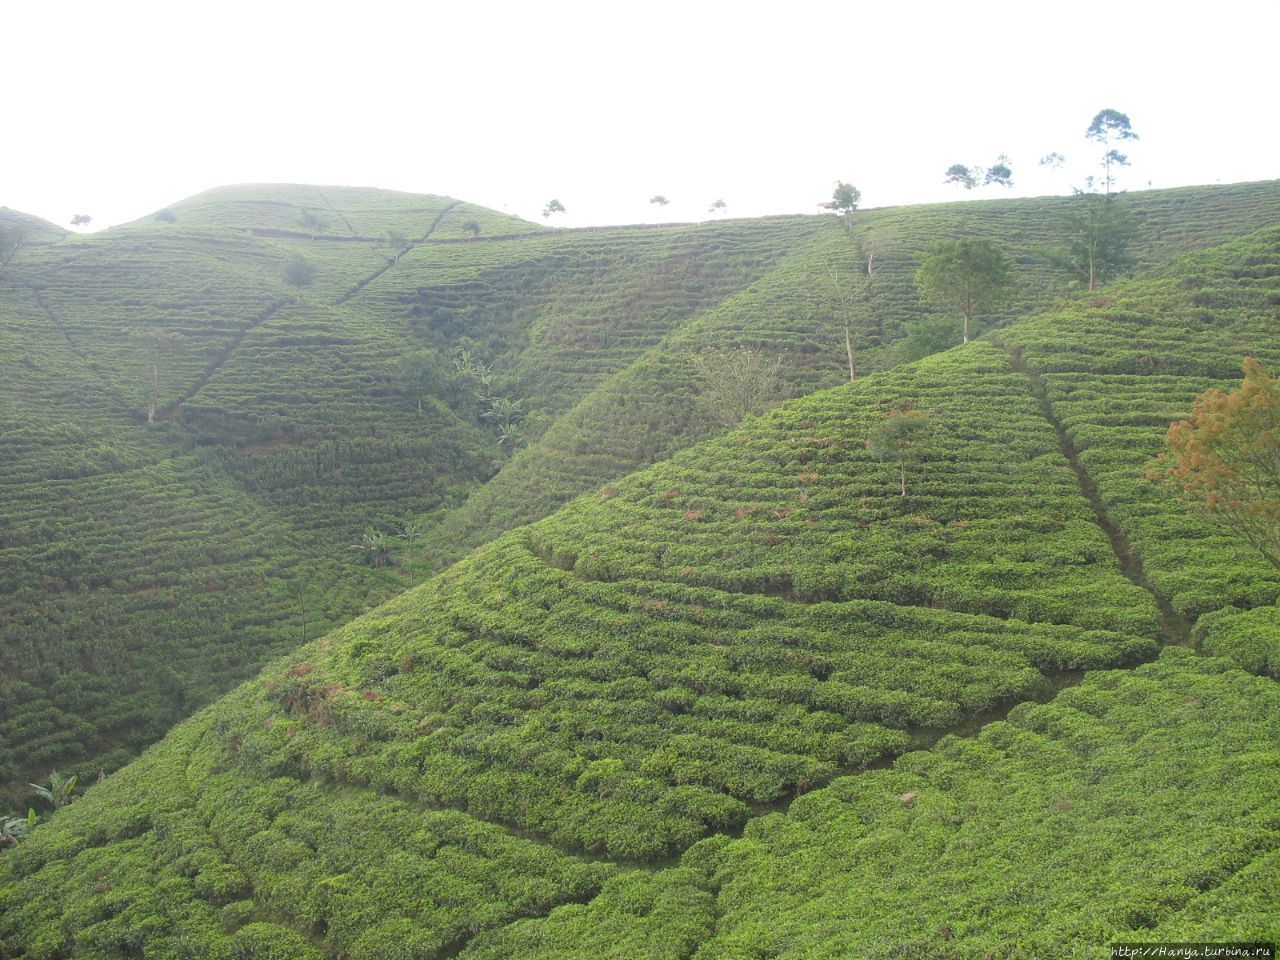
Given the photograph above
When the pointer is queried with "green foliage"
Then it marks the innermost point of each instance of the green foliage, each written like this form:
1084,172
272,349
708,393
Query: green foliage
376,547
1119,369
1099,231
902,438
969,276
1107,128
553,206
213,859
1063,827
312,222
1249,637
723,643
923,338
998,174
844,201
59,792
299,272
644,410
13,830
736,384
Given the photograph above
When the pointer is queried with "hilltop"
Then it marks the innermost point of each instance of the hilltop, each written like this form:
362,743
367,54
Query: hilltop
145,569
757,701
34,229
330,213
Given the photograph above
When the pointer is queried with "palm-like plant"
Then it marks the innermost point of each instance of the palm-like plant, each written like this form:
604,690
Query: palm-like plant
13,830
376,547
59,791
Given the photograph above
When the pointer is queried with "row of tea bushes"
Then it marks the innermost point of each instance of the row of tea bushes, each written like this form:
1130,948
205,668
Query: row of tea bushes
1138,806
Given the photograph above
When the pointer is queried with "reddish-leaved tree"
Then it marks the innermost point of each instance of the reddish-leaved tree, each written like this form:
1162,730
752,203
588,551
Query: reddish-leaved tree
1226,458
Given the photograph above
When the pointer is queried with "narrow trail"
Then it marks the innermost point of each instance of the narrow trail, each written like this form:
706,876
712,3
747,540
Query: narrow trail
360,285
107,384
338,213
1174,627
167,413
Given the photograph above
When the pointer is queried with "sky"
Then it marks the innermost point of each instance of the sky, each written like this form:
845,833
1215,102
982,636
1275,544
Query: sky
119,109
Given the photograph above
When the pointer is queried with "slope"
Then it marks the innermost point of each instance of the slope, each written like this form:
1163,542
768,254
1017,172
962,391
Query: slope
683,653
147,568
32,230
297,431
649,410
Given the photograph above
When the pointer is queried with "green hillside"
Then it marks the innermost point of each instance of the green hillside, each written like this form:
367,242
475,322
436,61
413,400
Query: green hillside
647,411
33,230
144,569
663,721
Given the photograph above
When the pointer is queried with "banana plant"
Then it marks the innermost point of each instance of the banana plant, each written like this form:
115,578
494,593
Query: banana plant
59,791
13,830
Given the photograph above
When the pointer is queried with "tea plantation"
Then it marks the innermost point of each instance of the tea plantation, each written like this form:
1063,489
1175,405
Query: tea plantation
794,691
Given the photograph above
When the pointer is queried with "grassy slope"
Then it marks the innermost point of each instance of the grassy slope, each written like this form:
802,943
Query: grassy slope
1015,844
1139,806
287,428
648,411
681,654
1117,370
34,230
147,570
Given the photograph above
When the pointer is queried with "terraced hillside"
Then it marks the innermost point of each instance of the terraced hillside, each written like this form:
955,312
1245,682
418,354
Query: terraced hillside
648,411
146,568
663,721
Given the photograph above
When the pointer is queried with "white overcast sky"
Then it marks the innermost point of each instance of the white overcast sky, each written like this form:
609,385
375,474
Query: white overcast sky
118,109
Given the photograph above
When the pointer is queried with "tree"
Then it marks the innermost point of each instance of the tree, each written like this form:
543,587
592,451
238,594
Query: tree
298,272
553,206
156,344
59,792
968,275
718,206
81,220
659,200
844,200
312,222
999,174
1109,127
11,241
1098,231
395,241
414,528
901,438
472,227
166,216
422,372
1225,459
736,383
